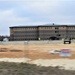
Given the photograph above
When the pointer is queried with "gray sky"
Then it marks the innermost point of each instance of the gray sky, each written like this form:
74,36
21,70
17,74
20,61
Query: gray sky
35,12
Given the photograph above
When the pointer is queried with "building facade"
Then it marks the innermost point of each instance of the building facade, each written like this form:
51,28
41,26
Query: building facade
44,32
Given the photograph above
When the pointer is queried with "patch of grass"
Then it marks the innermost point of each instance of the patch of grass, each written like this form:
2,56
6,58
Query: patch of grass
7,68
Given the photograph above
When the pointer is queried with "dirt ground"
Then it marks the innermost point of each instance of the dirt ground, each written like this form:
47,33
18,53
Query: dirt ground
35,51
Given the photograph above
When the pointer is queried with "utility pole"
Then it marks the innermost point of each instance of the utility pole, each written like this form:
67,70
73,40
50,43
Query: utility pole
26,50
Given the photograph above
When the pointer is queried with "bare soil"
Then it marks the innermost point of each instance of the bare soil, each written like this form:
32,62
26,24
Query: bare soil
35,51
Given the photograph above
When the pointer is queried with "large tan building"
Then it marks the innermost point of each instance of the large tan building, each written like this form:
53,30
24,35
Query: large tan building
44,32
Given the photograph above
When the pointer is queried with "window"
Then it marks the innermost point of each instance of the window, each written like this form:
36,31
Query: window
56,31
56,28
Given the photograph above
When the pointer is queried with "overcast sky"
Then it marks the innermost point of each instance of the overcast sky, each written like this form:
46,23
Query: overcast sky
35,12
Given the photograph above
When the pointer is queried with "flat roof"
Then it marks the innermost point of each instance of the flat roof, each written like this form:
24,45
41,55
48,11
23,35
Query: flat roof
41,26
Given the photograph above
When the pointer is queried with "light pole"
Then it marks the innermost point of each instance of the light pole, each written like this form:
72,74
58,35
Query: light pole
26,51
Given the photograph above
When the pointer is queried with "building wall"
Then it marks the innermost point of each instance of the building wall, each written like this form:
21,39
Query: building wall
25,33
42,32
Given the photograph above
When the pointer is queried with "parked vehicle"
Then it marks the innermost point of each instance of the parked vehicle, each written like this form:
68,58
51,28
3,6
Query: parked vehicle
54,52
67,40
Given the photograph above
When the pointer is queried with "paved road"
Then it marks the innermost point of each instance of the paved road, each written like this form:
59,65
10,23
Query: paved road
34,42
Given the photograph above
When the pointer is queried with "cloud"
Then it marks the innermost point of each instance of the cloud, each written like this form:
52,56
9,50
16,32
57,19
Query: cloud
41,7
35,12
8,18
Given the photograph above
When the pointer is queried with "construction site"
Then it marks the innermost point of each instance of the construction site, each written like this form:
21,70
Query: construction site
38,50
44,54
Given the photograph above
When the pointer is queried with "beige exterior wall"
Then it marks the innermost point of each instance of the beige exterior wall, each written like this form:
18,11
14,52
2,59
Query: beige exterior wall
42,32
